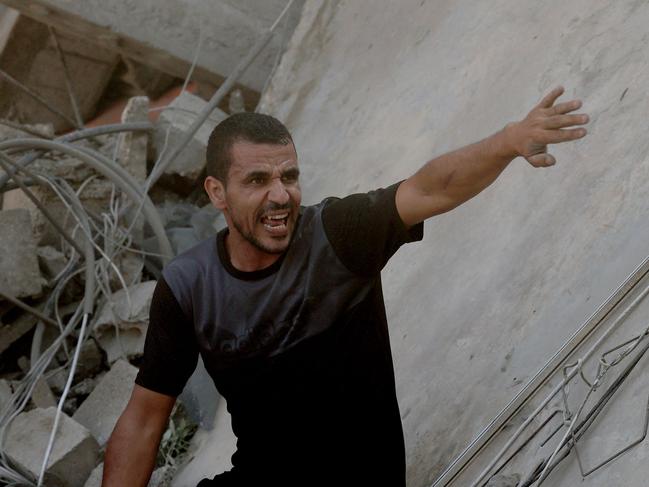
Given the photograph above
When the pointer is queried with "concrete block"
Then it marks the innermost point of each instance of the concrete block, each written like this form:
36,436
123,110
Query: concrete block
177,120
74,452
103,407
29,54
120,329
19,272
132,146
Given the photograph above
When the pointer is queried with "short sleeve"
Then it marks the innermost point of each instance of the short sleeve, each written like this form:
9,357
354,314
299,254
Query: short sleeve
170,350
365,229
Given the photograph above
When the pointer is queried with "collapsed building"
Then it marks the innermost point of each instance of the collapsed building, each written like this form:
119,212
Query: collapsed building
518,326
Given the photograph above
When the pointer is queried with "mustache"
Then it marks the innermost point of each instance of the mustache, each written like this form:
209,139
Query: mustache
275,207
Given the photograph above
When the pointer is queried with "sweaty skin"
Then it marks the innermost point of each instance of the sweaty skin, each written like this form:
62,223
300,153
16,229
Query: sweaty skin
261,199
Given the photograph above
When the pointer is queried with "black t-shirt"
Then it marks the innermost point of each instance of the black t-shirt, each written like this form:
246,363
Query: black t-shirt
300,350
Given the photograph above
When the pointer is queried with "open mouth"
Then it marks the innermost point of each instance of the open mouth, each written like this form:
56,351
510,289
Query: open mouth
276,223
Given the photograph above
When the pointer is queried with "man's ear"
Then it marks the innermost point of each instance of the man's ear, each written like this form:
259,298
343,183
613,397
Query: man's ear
216,192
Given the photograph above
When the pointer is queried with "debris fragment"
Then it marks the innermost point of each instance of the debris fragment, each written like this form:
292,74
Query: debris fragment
121,326
103,407
174,123
19,272
74,453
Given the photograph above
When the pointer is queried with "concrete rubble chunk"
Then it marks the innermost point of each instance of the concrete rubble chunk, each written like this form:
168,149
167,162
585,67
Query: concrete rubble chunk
103,407
95,197
74,453
159,478
177,119
90,360
132,146
121,330
26,130
5,393
52,261
19,272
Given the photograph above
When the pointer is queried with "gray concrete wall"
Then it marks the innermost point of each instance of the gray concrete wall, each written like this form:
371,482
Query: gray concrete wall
230,28
372,90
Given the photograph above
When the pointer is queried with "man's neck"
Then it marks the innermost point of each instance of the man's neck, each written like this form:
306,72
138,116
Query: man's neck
246,257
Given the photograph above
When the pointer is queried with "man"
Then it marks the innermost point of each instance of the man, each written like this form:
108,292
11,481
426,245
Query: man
286,309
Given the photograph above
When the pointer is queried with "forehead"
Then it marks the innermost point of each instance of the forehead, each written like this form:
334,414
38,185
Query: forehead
246,156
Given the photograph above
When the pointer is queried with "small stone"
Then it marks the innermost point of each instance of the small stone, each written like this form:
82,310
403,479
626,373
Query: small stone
83,388
103,407
74,453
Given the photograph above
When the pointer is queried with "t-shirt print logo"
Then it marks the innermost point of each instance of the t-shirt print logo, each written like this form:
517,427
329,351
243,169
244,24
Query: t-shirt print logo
262,338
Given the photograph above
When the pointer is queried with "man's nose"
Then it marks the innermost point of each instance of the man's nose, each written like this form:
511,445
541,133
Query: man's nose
278,193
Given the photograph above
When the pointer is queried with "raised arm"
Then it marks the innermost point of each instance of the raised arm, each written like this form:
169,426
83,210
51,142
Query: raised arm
133,446
451,179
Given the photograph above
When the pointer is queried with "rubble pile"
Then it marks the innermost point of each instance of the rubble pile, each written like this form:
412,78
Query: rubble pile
85,230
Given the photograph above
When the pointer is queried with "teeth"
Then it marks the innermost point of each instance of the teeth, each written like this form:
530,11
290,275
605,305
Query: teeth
278,217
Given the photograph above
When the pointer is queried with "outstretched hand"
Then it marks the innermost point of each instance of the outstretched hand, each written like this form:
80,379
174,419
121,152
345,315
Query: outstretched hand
546,124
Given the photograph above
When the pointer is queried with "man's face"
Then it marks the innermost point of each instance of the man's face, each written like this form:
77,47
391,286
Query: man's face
262,195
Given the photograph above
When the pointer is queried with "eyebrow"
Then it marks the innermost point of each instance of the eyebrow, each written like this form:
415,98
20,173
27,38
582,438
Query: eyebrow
291,172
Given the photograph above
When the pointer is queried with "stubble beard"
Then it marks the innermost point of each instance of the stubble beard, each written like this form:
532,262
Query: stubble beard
254,241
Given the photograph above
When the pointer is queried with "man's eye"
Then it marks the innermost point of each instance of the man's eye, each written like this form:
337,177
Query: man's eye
257,181
289,178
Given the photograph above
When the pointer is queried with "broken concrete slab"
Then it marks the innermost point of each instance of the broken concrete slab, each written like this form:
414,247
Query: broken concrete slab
120,328
132,146
176,120
164,34
103,407
15,130
74,453
19,272
95,197
29,55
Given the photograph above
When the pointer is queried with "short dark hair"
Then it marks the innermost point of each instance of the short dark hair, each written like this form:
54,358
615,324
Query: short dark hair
257,128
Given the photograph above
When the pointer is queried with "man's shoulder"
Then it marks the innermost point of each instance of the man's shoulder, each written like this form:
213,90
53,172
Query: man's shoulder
192,263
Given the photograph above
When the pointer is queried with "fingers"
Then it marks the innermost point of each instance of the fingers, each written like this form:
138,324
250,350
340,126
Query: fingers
551,97
542,160
562,121
565,107
563,135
